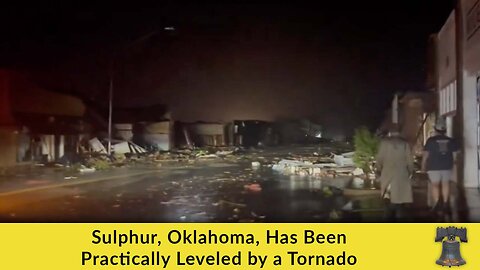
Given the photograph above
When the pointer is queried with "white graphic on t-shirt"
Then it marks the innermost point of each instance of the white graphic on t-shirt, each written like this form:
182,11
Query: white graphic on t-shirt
442,146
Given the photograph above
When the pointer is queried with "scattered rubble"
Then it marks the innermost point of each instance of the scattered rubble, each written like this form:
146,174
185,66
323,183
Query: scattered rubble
344,160
84,169
128,147
97,146
358,172
256,165
318,165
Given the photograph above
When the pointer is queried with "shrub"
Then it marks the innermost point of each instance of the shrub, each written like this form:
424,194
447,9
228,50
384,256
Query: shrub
366,147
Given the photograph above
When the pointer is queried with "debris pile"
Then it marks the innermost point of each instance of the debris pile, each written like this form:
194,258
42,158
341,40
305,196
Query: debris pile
319,166
196,154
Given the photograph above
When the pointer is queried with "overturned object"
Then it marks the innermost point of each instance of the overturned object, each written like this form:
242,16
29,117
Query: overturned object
97,146
128,147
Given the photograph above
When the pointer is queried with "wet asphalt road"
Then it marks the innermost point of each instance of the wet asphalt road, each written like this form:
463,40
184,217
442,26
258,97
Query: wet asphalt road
208,191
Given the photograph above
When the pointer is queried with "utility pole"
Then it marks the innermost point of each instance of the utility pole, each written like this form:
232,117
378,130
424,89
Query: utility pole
111,80
110,108
459,53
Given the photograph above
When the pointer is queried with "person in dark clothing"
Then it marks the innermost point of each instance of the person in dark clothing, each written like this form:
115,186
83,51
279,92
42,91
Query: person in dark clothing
439,159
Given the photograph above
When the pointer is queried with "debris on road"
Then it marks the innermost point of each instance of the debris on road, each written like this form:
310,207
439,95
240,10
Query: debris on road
345,159
256,215
303,168
253,187
128,147
231,203
334,215
84,169
224,153
358,183
358,172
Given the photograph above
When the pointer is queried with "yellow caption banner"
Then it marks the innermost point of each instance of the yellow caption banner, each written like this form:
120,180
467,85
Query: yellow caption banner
228,246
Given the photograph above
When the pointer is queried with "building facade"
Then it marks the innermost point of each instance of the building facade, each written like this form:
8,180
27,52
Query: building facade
446,82
36,124
471,77
458,83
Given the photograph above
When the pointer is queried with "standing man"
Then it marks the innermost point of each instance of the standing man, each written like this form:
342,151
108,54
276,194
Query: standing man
394,161
439,158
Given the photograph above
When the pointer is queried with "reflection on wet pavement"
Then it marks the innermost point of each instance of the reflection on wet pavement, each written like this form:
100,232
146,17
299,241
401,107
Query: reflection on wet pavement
211,193
214,191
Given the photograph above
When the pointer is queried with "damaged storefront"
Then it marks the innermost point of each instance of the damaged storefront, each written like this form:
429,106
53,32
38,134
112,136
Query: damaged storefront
38,125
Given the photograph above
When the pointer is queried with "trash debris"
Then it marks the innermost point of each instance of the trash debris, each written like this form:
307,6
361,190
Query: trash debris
334,215
203,213
84,169
256,215
348,206
70,177
127,147
224,153
327,192
303,168
358,172
231,203
97,146
345,159
256,165
208,156
253,187
358,183
97,164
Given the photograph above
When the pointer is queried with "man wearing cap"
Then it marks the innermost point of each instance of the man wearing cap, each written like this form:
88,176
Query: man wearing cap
439,158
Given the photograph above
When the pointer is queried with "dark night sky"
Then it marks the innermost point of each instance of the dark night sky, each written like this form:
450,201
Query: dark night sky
338,62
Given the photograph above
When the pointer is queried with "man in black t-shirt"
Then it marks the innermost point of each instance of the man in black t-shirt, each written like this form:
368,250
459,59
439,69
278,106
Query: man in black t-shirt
439,158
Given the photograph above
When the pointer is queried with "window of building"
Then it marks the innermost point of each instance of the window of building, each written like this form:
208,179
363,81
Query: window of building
448,99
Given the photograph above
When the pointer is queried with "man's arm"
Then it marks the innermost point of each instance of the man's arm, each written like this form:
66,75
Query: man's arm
424,161
456,152
425,154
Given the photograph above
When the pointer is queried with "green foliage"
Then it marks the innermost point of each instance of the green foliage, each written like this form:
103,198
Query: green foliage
101,164
366,147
